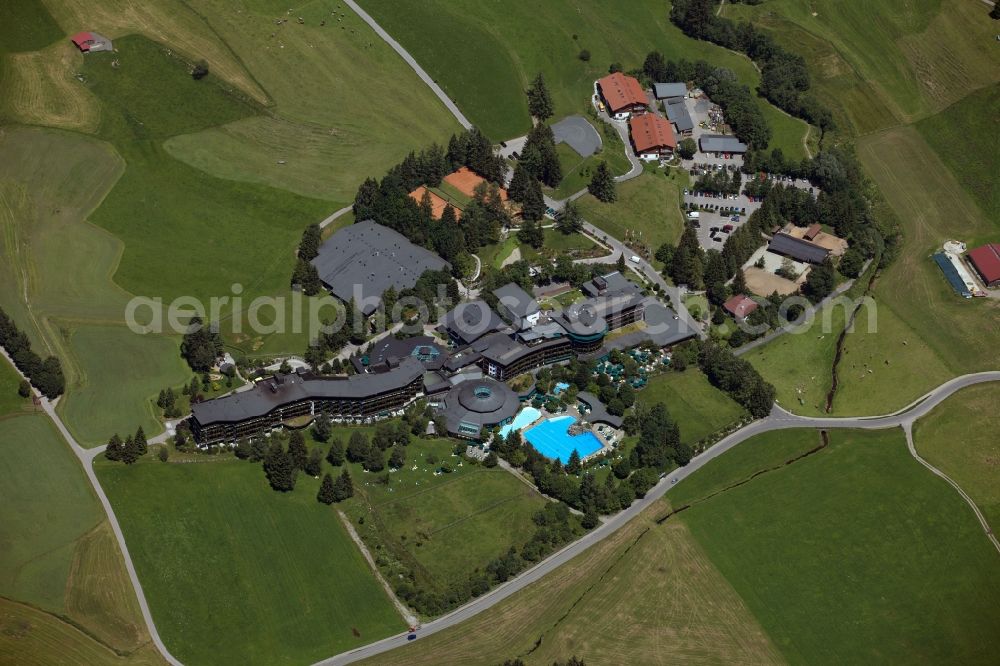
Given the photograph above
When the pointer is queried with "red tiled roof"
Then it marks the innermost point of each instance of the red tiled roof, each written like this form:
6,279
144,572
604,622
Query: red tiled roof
650,131
83,40
740,306
621,92
987,261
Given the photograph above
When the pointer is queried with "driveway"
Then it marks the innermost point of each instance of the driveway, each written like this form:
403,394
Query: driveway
578,134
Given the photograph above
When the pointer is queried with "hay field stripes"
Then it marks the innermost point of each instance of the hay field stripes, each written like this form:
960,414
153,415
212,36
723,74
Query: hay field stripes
42,90
172,23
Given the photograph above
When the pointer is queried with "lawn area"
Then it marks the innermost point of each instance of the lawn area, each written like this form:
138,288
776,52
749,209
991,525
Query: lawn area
699,408
330,139
577,171
962,136
294,587
505,45
118,372
619,602
959,438
857,554
647,211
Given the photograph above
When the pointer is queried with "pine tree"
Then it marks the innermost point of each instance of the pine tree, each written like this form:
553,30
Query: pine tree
602,185
374,460
314,465
322,428
448,217
539,101
519,183
531,233
327,492
279,468
343,487
115,448
398,457
140,442
621,262
739,282
569,221
357,447
312,238
335,456
130,451
491,460
297,450
573,465
533,206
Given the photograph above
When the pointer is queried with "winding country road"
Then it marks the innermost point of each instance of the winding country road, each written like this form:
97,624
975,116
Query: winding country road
779,419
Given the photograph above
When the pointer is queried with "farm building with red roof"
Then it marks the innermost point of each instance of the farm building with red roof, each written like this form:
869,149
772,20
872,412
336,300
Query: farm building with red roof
740,306
623,95
652,136
986,261
91,41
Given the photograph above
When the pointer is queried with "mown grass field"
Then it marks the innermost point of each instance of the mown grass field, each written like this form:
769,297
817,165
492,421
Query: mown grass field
759,455
620,602
963,136
856,554
345,106
64,593
699,408
118,373
959,438
647,210
27,27
236,573
506,45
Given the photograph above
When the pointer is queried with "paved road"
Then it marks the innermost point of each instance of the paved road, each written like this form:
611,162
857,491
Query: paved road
404,54
86,458
778,420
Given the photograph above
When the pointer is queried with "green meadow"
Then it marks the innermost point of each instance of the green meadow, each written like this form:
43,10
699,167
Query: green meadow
699,408
237,573
852,554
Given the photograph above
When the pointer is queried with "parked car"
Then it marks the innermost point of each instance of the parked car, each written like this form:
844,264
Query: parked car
713,229
727,229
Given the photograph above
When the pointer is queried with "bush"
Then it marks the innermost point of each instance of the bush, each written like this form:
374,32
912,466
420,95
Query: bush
584,55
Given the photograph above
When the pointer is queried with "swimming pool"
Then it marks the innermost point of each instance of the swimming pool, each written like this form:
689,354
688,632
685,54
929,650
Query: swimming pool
559,388
523,418
551,438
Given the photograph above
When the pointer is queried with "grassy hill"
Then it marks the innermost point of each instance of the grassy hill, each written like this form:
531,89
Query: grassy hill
850,554
237,573
958,437
506,44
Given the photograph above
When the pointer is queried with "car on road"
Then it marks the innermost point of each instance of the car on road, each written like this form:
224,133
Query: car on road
550,211
634,259
411,637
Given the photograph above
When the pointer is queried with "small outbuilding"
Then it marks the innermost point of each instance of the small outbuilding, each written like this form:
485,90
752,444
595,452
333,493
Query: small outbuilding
718,145
91,41
670,91
740,306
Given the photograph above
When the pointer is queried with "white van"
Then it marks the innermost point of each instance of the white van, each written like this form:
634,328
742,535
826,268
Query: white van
694,215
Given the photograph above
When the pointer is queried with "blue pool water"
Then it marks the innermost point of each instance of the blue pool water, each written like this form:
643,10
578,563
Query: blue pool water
551,438
559,388
523,418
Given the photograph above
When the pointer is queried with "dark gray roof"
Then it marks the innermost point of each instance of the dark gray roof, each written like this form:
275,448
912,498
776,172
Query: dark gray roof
516,300
677,113
287,389
364,259
797,248
598,412
717,143
584,318
665,90
500,348
611,284
470,321
477,403
422,347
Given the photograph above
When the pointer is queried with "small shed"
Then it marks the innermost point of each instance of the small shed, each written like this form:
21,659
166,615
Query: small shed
88,42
